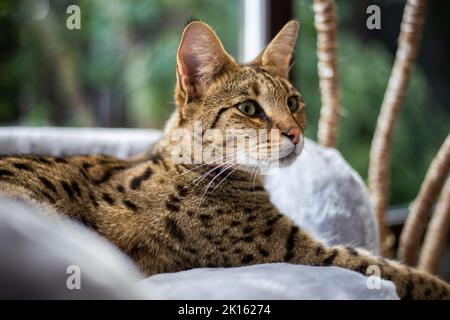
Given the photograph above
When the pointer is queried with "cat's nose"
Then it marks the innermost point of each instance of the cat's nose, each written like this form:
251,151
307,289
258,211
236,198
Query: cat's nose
293,134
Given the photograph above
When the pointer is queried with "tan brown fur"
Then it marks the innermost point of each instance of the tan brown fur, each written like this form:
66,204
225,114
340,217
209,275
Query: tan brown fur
149,208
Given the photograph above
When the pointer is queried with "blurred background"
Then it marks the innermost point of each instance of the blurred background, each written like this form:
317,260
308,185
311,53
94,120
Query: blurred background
119,69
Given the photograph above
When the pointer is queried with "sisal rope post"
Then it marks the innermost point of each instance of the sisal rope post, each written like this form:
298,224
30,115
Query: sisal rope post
437,233
325,21
421,208
378,175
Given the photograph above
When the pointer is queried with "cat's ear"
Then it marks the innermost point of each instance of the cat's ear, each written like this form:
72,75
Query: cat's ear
278,52
200,58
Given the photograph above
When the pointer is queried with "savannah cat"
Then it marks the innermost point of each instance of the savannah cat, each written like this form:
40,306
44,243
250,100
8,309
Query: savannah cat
149,207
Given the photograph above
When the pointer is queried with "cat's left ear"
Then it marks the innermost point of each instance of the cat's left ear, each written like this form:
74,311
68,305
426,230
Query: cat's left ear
278,52
201,57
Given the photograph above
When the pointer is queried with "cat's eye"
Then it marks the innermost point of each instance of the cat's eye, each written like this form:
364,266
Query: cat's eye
248,108
292,104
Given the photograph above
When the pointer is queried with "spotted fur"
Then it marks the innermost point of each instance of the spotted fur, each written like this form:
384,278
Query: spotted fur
149,207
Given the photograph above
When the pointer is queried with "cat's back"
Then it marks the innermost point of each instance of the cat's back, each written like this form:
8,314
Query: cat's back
71,185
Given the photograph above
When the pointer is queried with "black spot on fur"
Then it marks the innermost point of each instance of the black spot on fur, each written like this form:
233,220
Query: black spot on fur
137,181
268,232
173,229
208,237
290,243
156,158
273,220
88,222
60,160
362,268
107,175
107,198
248,239
182,191
43,160
190,213
320,250
84,173
247,259
93,200
5,173
49,197
191,250
130,205
87,165
263,252
174,199
48,184
330,258
76,188
235,223
251,218
352,251
247,229
68,189
120,188
205,218
23,166
175,207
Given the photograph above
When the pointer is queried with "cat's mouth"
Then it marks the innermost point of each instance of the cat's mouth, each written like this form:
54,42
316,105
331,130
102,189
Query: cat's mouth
291,156
287,154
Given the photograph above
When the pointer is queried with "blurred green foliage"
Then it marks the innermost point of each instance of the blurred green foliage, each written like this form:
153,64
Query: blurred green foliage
119,70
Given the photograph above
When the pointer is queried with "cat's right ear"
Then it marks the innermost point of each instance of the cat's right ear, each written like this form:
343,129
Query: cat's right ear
201,57
278,52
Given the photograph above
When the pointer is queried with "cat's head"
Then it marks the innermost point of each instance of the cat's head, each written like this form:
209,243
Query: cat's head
230,100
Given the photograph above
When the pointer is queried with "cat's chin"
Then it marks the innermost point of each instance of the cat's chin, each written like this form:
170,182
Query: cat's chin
290,158
265,167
